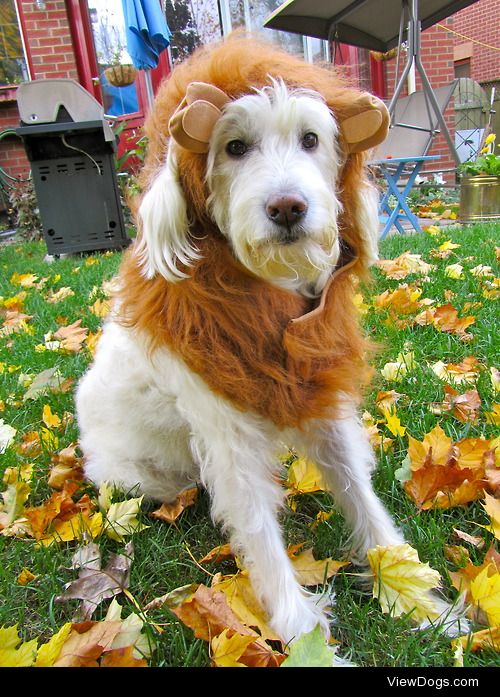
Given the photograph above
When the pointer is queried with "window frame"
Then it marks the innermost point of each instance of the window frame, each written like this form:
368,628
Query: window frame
8,92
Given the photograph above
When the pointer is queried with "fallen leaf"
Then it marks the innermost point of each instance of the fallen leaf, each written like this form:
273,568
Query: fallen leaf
122,658
241,598
493,417
386,400
393,423
26,280
311,650
169,512
445,318
207,613
67,466
49,419
94,584
7,434
313,572
25,577
402,583
464,407
458,373
227,647
455,271
71,336
404,265
485,595
303,477
492,508
217,554
59,295
86,643
49,652
121,519
488,639
14,653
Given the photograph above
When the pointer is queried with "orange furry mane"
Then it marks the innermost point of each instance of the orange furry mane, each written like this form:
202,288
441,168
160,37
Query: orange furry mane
235,330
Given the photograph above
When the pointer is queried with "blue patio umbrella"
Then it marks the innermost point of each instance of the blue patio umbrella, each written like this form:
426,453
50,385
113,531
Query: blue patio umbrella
147,35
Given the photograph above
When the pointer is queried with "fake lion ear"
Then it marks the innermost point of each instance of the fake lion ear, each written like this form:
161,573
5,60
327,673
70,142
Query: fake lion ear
366,123
193,121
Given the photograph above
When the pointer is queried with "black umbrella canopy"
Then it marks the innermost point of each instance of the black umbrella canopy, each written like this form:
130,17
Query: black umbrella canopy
372,24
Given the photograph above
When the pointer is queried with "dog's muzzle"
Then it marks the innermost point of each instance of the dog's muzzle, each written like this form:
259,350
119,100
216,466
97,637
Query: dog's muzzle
287,211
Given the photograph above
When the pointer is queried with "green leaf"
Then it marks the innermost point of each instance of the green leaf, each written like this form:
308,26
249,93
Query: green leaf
310,651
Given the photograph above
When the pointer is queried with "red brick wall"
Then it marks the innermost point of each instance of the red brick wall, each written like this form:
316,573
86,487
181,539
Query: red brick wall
48,36
481,23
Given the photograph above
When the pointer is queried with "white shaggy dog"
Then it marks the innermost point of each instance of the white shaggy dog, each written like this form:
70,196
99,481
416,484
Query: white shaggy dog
148,421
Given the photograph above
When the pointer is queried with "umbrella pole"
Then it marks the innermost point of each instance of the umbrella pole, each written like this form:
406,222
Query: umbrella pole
149,88
414,29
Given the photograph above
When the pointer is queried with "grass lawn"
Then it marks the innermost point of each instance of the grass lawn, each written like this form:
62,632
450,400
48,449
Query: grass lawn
166,556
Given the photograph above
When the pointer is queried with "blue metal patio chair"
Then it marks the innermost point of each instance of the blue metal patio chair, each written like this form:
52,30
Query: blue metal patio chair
401,157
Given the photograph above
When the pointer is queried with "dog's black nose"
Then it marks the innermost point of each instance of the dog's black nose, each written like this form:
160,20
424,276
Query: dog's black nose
286,209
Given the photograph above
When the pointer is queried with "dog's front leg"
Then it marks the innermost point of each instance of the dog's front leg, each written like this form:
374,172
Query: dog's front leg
342,451
238,463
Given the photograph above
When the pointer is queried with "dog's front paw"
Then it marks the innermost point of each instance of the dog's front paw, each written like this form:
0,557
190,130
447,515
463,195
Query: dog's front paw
301,615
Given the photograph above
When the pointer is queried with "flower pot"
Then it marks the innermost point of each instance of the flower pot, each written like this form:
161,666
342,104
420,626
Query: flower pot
120,75
479,198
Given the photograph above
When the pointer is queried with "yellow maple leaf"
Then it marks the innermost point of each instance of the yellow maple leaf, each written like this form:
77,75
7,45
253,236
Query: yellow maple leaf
492,508
436,445
26,280
304,477
121,519
403,583
485,593
25,577
226,649
100,308
76,528
50,419
242,600
485,639
54,297
454,271
313,572
493,417
13,653
393,423
448,245
48,653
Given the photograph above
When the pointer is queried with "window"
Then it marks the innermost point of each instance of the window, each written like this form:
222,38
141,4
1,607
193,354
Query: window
199,22
13,64
462,68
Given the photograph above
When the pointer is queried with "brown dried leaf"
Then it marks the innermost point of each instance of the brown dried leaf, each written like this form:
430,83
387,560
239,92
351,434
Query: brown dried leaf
86,643
217,554
94,584
208,614
122,658
72,336
169,512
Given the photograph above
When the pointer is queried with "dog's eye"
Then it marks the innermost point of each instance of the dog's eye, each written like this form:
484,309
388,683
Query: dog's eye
309,141
236,148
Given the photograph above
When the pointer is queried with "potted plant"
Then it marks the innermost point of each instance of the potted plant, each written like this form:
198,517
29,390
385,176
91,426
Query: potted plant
480,185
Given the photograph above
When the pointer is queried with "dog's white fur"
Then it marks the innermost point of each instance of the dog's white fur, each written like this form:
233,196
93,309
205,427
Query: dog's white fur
148,423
